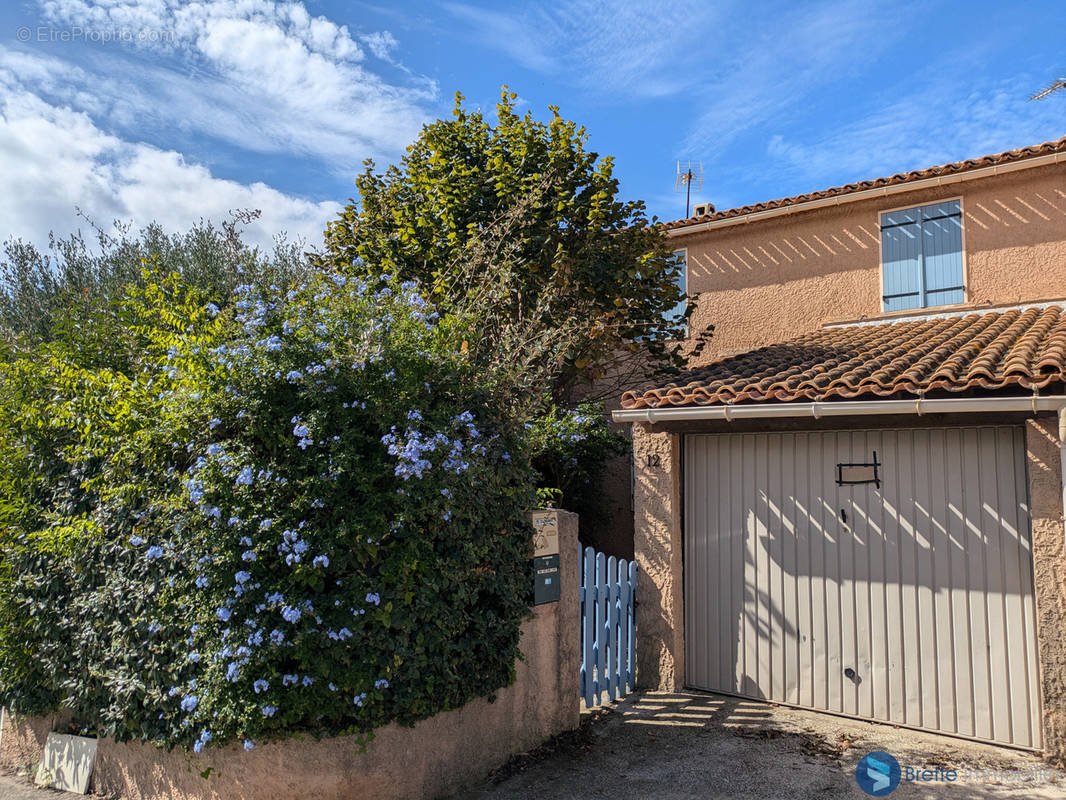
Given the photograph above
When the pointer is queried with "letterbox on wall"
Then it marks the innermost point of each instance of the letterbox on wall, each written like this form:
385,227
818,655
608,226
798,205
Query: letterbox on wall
545,557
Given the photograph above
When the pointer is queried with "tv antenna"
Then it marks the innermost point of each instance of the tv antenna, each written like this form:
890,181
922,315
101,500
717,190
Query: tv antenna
1054,87
689,172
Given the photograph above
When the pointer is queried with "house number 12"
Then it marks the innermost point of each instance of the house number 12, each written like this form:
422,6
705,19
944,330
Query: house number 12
653,461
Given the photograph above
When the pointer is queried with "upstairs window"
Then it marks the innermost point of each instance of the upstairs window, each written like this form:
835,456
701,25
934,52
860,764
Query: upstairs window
921,254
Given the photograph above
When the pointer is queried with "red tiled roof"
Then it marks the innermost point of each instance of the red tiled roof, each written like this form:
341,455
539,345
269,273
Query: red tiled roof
1018,350
1020,154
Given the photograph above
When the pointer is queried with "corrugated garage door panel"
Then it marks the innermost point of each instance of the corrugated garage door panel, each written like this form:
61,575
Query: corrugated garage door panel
925,591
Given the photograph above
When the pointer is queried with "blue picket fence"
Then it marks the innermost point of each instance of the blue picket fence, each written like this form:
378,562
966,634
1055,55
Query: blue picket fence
608,627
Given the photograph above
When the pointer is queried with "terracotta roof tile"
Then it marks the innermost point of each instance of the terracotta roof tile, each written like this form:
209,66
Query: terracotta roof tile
1020,154
1017,349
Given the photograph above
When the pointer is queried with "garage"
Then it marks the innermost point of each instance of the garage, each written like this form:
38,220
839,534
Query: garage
885,574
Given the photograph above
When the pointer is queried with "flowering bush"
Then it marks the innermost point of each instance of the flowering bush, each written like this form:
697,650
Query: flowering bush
304,513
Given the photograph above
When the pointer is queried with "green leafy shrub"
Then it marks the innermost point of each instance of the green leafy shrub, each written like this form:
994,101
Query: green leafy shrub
569,449
305,513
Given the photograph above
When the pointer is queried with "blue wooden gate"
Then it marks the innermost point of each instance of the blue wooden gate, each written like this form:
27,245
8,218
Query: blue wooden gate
608,627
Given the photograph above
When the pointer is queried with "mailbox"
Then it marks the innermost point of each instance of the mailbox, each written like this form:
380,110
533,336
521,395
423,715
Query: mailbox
545,579
545,557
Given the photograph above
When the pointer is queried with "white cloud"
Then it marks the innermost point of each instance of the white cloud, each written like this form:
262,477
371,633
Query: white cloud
793,55
266,76
619,46
903,135
55,158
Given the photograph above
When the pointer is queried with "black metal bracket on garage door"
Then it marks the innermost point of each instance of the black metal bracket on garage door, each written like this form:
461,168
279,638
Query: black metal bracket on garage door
856,474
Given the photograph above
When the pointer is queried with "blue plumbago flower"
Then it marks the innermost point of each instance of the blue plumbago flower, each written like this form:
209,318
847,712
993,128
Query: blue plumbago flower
320,561
223,614
214,423
205,737
189,702
374,597
276,636
261,686
242,576
381,684
214,511
414,416
202,581
154,627
233,521
271,344
359,699
155,551
245,477
211,309
194,657
196,490
248,555
194,629
290,614
246,541
446,516
289,680
446,493
300,547
136,541
265,524
317,503
268,711
249,744
292,376
174,690
276,597
214,449
233,672
292,558
332,686
307,680
300,430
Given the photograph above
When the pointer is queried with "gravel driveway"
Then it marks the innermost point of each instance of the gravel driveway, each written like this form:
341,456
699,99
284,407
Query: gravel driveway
689,745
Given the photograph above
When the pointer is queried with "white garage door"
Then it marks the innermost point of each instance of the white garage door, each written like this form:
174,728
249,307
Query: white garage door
909,602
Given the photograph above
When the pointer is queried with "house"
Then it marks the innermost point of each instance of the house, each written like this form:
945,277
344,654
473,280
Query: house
856,504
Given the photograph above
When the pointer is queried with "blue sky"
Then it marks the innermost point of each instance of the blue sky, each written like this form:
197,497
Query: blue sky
173,111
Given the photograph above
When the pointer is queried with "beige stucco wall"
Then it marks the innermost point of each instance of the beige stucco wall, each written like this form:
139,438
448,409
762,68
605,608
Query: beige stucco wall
658,544
770,280
1049,572
436,757
657,551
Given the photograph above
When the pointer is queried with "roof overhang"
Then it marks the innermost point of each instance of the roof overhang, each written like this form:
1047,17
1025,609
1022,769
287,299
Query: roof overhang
844,408
869,194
